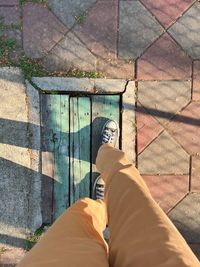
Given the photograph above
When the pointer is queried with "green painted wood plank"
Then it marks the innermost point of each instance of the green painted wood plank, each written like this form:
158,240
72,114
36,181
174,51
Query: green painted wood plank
47,155
80,120
104,107
61,154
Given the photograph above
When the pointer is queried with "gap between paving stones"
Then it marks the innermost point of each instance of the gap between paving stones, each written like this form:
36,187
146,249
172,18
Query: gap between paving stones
70,29
165,30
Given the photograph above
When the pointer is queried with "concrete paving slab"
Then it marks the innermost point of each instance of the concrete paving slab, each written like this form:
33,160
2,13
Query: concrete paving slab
64,84
70,84
33,132
128,121
184,216
164,156
163,99
167,190
137,29
187,122
186,31
68,54
19,179
69,10
110,85
164,60
41,30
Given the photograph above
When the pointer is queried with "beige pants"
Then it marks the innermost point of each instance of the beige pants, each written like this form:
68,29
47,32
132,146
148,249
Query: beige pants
141,235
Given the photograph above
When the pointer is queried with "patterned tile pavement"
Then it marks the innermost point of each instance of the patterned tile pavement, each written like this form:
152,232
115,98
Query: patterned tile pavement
155,43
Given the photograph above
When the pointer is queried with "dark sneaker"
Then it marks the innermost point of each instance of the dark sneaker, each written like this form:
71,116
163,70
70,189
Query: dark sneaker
110,133
98,188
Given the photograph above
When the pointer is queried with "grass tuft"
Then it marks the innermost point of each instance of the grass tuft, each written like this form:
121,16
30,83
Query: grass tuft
81,17
23,2
3,250
31,67
81,74
33,239
6,47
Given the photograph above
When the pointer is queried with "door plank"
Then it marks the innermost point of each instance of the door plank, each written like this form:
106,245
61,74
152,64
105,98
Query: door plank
47,156
55,155
61,154
80,120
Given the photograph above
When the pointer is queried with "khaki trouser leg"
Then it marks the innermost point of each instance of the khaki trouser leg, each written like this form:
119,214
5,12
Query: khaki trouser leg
141,235
74,240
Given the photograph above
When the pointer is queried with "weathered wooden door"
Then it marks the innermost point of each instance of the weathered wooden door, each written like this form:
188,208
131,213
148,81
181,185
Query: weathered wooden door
71,131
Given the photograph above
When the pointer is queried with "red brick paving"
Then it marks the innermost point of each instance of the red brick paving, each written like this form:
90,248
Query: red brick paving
167,11
41,30
187,130
148,128
196,81
167,190
164,60
9,2
99,30
195,175
10,15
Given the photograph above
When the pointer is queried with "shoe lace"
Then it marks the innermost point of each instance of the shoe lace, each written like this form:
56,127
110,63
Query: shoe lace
100,191
108,136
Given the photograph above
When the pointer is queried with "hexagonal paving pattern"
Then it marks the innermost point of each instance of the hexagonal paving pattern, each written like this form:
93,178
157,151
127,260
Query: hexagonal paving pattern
70,11
164,60
167,11
99,29
186,31
41,30
163,99
148,128
136,33
163,156
185,128
167,190
70,53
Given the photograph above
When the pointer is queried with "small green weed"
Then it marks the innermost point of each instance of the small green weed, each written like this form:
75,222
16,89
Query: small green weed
33,239
6,47
2,250
31,67
2,25
81,17
23,2
81,74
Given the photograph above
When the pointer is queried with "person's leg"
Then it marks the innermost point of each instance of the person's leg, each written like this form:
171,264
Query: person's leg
74,240
141,235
